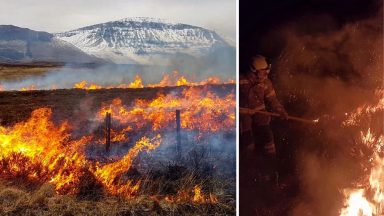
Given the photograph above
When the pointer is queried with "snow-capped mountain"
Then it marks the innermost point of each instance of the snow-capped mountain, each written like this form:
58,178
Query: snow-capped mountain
25,45
143,40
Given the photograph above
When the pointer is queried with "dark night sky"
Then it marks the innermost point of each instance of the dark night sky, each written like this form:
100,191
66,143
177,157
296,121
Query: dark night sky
259,17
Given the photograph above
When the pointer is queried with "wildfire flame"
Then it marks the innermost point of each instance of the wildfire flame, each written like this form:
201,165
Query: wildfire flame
196,104
357,204
108,173
172,79
192,195
39,150
29,88
369,200
175,80
353,118
137,83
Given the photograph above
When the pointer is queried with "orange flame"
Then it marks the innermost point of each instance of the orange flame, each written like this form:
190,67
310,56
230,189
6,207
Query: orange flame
370,199
29,88
39,150
366,109
47,150
42,151
194,195
137,83
108,173
173,79
195,104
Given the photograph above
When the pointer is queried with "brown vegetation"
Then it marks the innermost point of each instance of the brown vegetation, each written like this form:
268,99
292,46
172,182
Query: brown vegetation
17,198
16,106
12,72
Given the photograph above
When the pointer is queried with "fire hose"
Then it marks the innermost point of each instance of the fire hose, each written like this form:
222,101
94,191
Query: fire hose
249,111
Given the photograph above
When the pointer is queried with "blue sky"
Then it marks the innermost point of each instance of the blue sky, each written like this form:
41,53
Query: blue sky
56,16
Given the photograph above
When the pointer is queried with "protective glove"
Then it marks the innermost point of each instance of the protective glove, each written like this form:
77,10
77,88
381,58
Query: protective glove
283,114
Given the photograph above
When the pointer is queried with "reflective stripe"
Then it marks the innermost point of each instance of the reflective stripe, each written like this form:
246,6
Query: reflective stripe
261,107
270,148
271,94
243,82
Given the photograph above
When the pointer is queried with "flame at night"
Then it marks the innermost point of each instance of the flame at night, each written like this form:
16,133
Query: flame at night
353,118
368,200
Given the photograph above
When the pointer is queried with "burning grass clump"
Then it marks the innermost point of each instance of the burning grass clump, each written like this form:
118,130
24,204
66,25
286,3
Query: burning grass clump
175,179
162,193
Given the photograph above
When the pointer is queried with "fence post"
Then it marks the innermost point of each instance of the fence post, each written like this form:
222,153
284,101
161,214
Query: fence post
107,131
178,136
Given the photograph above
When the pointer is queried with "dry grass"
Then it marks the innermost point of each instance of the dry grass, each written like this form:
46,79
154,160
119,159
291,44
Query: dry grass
18,196
42,200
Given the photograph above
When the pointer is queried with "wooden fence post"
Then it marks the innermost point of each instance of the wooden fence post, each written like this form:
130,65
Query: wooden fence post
178,136
107,131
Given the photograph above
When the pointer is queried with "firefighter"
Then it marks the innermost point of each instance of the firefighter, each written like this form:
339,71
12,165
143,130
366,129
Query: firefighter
256,90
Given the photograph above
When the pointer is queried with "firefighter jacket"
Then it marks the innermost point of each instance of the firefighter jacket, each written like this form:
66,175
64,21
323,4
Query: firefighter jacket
255,95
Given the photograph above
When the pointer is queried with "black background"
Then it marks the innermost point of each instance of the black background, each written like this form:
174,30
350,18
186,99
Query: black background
257,18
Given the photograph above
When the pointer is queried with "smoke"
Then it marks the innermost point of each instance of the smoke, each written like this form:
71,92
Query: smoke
327,71
215,150
193,69
219,61
199,150
333,66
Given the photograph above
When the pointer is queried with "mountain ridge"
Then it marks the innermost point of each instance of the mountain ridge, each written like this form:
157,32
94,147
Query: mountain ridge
21,45
143,41
140,40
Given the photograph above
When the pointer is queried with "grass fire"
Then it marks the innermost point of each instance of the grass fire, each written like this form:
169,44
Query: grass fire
326,63
366,197
53,154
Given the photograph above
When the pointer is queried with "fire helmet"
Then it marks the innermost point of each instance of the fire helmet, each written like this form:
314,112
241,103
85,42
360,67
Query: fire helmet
259,62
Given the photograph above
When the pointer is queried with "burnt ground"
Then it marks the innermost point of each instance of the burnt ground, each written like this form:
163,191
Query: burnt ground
16,106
